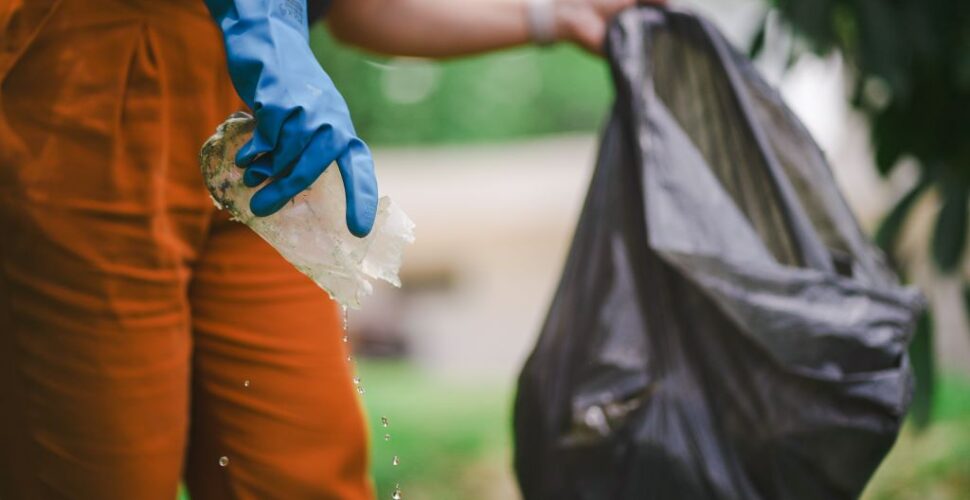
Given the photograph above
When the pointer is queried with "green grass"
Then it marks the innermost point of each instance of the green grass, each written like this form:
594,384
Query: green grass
934,463
450,437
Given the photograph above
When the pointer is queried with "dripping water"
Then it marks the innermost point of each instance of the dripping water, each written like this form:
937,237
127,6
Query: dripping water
396,494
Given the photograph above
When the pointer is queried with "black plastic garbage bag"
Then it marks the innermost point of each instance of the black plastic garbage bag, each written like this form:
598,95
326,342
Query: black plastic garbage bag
723,329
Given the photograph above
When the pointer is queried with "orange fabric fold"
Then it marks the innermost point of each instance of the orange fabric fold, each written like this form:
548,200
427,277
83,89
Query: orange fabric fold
131,314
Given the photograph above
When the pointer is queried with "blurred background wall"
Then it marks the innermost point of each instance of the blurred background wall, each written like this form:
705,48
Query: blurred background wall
491,157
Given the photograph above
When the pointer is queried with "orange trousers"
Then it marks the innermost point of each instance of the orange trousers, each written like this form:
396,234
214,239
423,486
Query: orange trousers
143,336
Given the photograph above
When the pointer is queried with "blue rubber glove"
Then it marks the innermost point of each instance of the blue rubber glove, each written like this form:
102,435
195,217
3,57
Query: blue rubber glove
302,121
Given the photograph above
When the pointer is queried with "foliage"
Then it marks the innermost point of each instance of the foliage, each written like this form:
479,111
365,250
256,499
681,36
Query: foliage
912,81
498,96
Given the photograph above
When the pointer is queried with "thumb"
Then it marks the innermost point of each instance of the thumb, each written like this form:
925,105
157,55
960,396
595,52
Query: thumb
252,149
258,171
360,185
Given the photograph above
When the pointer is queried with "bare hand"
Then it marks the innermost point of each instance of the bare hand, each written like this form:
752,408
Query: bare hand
584,22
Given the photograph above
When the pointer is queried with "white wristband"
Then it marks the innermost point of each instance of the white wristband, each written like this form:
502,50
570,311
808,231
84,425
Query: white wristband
542,21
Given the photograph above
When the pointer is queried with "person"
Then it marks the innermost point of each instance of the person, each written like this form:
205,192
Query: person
145,338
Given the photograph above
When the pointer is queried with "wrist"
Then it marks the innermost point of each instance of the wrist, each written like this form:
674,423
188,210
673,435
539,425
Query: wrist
541,21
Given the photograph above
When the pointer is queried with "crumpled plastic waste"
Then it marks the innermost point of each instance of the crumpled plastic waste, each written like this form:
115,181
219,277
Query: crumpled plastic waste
311,231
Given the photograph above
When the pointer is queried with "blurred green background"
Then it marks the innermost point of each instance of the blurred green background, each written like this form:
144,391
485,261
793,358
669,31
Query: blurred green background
505,95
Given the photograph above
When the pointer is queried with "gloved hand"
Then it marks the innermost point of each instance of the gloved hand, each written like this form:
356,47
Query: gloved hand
302,121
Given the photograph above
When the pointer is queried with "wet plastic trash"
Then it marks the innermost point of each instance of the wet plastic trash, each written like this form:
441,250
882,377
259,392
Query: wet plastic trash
310,232
723,328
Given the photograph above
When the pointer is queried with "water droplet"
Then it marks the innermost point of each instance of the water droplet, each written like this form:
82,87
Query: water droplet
396,461
345,339
387,437
360,389
350,359
384,421
223,461
356,380
396,494
245,383
345,317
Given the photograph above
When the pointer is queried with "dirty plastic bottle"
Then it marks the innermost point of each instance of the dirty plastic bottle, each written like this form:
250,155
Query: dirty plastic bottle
310,232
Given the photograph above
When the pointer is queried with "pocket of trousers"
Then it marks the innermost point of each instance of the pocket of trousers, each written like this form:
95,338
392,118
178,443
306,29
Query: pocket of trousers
81,113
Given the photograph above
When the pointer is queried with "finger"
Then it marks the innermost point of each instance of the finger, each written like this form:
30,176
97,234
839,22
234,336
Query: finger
294,138
258,171
314,160
360,185
252,149
610,8
591,36
284,153
272,197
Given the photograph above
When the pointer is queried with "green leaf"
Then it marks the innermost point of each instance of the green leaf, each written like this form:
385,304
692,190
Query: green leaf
891,131
855,97
845,28
758,41
881,50
892,224
950,233
921,357
813,19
